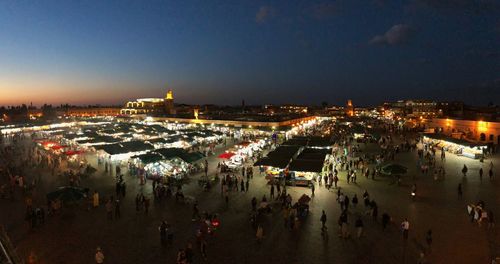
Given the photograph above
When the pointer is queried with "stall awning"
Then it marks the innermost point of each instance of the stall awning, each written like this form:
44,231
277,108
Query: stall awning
306,165
272,162
149,158
454,140
284,152
313,154
226,155
191,157
170,153
157,140
112,149
136,146
309,141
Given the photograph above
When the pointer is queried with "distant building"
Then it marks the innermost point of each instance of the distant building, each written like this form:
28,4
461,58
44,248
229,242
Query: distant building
298,109
476,130
90,111
415,108
156,106
349,109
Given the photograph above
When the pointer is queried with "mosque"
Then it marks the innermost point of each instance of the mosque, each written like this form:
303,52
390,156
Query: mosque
145,106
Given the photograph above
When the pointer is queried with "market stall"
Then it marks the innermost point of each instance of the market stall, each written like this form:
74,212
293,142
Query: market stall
454,145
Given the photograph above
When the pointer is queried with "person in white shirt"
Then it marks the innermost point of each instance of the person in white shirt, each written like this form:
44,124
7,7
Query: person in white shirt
99,256
405,227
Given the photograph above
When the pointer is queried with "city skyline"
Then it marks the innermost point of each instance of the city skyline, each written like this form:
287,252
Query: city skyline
262,52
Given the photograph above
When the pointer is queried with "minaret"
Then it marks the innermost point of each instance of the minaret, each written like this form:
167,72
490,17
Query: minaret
169,103
349,108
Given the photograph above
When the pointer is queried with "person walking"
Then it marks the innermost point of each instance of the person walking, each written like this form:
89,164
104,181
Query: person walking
260,234
189,253
272,191
95,199
491,219
385,220
203,249
359,226
490,173
99,256
138,202
146,205
109,209
405,227
163,232
428,238
344,225
481,174
117,209
355,200
341,202
196,212
312,189
286,215
181,256
323,220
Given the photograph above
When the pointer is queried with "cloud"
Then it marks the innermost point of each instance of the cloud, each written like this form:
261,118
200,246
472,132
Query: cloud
397,35
324,10
263,14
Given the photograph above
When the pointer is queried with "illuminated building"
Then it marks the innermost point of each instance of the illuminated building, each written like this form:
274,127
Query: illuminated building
91,111
476,130
349,108
145,106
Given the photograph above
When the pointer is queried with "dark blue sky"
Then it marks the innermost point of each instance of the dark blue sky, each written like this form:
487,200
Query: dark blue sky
262,51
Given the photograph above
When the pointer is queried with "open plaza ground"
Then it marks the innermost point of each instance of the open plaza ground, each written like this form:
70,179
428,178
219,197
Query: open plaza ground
72,235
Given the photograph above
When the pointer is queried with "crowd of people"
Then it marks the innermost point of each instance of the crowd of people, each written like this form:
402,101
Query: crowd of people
356,211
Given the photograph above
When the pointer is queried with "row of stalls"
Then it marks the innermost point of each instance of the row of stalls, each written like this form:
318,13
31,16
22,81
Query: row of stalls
168,148
157,150
454,145
168,162
298,160
70,153
235,157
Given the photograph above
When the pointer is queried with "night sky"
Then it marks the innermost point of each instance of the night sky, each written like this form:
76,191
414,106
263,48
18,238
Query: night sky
371,51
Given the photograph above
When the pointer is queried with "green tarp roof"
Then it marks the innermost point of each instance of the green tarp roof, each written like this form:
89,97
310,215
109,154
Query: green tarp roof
149,157
170,153
112,149
306,165
273,162
135,146
189,157
284,152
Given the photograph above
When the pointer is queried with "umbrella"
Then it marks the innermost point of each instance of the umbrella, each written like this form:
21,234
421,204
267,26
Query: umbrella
68,194
226,155
394,169
73,152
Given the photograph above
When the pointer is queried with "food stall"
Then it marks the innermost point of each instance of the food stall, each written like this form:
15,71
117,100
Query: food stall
454,145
